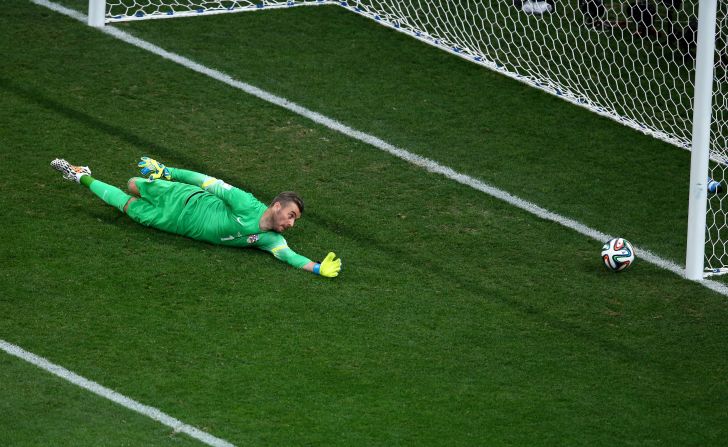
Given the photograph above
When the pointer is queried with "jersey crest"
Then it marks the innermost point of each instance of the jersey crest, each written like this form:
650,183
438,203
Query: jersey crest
253,238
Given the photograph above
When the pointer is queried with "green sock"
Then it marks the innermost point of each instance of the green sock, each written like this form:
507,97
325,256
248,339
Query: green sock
109,194
86,180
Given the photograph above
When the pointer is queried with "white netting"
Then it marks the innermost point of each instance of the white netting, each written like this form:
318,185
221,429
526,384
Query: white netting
716,251
631,60
123,10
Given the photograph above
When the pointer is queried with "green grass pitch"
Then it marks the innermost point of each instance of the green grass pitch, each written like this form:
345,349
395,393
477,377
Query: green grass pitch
457,320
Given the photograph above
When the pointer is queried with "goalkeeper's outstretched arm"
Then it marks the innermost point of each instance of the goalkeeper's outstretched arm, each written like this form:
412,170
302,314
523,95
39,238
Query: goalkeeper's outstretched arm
154,170
329,267
235,197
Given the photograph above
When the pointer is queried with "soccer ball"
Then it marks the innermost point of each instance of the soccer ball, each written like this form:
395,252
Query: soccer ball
618,254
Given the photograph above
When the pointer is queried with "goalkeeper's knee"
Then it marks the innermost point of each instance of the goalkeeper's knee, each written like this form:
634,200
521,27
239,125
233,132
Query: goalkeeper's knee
128,202
132,187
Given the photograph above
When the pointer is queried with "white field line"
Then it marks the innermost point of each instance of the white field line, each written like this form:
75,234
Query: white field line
151,412
414,159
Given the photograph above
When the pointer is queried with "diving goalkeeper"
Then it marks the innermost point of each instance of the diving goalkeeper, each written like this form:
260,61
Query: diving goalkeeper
206,209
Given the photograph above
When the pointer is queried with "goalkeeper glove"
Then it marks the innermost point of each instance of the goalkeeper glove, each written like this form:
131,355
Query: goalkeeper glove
153,169
329,267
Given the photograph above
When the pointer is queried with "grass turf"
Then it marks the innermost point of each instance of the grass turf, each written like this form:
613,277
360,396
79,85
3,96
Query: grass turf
457,320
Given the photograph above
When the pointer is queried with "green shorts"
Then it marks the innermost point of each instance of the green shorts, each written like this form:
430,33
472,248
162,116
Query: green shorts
161,203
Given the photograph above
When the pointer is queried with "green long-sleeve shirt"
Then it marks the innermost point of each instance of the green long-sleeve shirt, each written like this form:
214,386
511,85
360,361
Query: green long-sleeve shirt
222,214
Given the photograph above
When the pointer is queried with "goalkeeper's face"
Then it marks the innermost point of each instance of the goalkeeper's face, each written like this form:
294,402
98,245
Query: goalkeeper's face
284,216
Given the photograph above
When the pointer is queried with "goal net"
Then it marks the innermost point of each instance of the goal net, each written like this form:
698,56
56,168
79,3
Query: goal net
125,10
632,60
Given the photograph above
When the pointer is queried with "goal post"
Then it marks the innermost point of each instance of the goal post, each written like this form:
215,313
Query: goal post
700,156
657,66
96,13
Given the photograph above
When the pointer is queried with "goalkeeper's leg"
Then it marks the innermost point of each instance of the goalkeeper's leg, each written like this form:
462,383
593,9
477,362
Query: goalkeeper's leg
139,210
109,194
82,174
159,204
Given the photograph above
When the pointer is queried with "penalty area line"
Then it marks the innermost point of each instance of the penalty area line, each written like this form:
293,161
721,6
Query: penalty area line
414,159
151,412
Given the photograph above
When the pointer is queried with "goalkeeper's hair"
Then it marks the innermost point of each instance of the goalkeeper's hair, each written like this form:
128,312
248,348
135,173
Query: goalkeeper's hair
287,197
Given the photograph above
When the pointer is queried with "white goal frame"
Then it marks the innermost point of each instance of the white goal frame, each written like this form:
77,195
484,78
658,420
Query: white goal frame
702,100
700,156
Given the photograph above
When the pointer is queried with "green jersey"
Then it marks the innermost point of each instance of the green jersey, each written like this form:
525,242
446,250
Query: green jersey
208,209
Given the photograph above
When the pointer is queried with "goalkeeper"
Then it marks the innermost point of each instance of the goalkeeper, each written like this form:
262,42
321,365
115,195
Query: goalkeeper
206,209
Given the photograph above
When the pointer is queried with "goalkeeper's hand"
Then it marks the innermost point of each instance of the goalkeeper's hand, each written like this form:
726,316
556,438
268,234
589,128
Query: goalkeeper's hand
329,267
153,170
